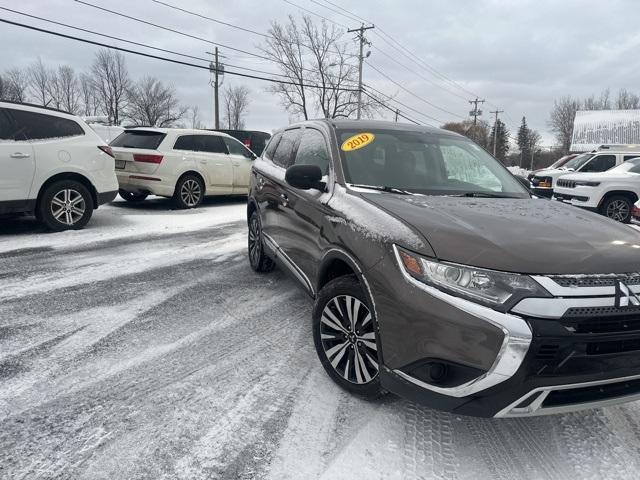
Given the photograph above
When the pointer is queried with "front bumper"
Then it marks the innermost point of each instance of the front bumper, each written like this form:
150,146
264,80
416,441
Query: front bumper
585,197
543,192
573,351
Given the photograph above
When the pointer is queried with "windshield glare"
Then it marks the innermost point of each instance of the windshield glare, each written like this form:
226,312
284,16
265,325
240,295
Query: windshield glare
578,161
427,163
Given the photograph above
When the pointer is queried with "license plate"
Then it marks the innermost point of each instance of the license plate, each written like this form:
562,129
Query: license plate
120,164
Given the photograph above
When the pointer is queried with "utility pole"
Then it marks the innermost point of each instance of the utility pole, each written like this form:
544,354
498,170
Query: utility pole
218,71
360,35
475,113
495,130
397,113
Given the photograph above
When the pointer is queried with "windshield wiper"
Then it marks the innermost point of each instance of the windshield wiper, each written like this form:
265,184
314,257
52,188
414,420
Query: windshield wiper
382,188
484,195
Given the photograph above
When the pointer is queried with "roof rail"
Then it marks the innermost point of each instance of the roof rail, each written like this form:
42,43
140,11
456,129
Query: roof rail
619,147
26,104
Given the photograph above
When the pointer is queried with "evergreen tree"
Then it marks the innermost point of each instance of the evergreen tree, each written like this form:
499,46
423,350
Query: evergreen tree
502,140
524,144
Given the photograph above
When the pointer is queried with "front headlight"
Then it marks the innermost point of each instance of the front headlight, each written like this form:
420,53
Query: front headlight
476,284
585,183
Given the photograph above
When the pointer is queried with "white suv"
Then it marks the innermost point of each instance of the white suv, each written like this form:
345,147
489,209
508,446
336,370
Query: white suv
184,164
54,165
605,158
612,193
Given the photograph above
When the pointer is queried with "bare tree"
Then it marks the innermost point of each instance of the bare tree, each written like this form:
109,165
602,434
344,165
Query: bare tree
561,121
310,54
111,83
16,85
88,97
236,103
194,117
154,104
534,139
627,100
38,78
69,95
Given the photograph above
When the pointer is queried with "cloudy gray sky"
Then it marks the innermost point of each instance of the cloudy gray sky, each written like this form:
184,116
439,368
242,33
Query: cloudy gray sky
517,54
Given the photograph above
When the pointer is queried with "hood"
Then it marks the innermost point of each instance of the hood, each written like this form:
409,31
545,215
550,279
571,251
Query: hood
553,172
518,235
598,176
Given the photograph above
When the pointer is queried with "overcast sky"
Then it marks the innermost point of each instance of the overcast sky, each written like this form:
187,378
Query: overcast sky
519,55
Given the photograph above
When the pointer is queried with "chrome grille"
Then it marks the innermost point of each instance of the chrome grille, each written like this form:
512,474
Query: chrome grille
566,183
596,280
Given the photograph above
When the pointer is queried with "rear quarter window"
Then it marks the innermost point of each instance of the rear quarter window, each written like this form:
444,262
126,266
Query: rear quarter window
283,156
39,126
271,147
139,139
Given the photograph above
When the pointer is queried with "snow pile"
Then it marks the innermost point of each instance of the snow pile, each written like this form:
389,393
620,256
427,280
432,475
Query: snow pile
522,172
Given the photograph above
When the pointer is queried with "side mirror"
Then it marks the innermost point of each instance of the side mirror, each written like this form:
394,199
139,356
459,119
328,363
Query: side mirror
304,177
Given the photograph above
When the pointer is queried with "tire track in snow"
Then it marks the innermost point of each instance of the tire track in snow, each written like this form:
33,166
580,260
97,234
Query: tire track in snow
594,449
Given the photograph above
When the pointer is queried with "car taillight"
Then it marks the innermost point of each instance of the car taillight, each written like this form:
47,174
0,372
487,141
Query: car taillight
106,149
146,158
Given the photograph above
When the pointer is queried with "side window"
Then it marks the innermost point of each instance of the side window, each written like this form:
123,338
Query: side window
630,157
8,128
284,152
236,148
271,147
313,150
213,144
38,126
600,163
186,142
635,169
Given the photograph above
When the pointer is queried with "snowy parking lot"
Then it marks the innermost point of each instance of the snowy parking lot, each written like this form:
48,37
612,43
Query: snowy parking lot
145,347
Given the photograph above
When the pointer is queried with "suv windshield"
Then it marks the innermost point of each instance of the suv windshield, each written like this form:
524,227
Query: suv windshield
578,161
421,162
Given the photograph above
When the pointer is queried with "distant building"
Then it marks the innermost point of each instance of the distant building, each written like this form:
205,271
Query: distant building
593,128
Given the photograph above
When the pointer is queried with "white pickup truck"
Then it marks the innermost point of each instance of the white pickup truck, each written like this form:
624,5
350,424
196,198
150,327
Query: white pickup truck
611,193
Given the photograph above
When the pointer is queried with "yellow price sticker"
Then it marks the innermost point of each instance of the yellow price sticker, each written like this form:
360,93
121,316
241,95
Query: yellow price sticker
357,141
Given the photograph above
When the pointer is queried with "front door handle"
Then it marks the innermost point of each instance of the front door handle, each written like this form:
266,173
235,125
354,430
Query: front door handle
236,164
285,199
20,155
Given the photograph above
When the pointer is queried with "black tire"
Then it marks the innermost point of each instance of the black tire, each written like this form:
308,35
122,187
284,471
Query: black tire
337,348
189,192
618,208
65,205
132,197
259,260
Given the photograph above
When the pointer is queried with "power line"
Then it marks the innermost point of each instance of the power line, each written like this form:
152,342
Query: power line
168,29
156,57
394,110
389,38
418,112
316,14
93,32
231,25
399,85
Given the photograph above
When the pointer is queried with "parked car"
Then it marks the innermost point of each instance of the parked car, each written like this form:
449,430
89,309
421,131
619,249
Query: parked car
52,165
183,164
611,193
252,139
601,160
557,164
438,277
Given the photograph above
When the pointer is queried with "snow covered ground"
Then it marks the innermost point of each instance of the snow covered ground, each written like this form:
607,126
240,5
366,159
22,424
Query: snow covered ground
145,347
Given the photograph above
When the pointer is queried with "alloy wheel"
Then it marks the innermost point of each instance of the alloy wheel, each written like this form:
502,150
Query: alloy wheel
68,206
618,210
190,193
348,339
255,245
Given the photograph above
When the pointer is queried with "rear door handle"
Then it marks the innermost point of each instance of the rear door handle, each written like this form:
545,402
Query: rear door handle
20,155
285,199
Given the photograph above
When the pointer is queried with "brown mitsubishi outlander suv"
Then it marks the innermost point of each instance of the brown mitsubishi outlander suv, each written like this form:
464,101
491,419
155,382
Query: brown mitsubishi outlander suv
437,276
